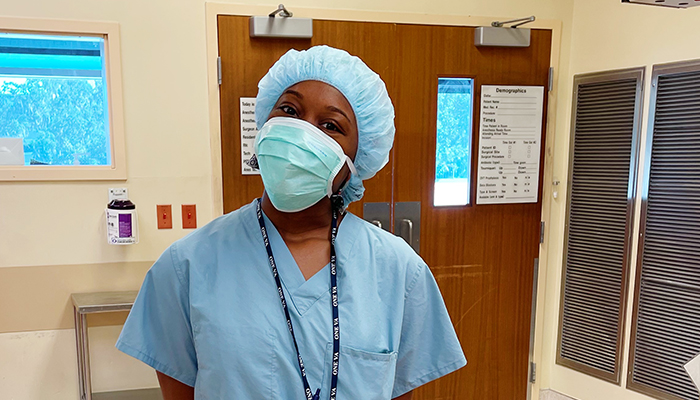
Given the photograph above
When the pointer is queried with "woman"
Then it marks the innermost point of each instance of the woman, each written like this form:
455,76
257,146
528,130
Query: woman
249,307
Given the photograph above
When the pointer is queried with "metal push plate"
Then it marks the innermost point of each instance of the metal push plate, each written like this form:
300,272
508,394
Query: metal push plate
378,214
407,222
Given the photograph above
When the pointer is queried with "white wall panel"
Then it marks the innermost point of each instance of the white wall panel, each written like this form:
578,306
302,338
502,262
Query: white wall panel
43,365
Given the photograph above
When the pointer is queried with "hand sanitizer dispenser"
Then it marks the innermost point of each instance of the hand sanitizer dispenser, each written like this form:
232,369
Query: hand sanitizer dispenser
122,221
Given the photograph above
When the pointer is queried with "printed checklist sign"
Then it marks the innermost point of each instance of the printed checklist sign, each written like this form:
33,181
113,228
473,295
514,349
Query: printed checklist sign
510,133
248,133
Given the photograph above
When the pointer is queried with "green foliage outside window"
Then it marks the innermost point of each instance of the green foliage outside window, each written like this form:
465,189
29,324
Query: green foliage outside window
61,121
454,126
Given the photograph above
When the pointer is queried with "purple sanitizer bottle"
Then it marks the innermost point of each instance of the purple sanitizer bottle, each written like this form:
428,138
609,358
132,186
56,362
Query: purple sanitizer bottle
122,222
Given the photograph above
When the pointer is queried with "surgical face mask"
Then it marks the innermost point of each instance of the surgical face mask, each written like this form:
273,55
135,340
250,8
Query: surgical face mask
298,163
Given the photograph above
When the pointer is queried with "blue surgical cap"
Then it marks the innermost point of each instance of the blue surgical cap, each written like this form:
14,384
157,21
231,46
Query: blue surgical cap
362,87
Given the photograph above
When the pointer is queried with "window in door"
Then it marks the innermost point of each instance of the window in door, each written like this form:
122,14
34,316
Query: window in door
454,137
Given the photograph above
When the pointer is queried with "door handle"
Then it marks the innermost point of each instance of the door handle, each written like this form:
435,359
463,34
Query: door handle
377,214
409,223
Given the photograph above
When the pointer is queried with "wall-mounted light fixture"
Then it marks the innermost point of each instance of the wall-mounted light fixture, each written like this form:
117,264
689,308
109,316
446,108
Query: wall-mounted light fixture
666,3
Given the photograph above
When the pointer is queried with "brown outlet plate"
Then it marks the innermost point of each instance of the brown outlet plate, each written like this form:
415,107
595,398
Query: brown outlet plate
189,216
164,213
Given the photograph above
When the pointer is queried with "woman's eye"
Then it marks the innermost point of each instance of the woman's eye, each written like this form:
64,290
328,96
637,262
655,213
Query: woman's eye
330,126
288,110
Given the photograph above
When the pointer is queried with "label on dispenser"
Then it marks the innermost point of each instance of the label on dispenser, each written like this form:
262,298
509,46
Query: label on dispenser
121,227
124,225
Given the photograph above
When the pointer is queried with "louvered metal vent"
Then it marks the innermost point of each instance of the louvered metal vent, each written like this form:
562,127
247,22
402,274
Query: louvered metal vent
666,329
605,126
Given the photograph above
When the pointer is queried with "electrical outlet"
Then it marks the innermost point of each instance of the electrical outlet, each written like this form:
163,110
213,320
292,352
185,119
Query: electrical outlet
189,216
164,213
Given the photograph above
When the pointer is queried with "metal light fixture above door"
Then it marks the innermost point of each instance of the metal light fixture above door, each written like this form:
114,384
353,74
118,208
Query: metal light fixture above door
667,3
499,35
280,24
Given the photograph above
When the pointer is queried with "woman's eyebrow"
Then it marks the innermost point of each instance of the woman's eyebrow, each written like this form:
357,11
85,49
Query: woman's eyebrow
293,93
338,110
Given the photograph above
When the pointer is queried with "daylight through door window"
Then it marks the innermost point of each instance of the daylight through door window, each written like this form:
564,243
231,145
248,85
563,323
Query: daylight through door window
453,145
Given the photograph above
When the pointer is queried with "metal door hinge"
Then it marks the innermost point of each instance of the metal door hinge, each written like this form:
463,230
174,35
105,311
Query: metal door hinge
533,372
541,232
550,82
218,69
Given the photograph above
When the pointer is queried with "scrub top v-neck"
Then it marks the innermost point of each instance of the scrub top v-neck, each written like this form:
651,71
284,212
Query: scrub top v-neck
304,293
308,392
208,315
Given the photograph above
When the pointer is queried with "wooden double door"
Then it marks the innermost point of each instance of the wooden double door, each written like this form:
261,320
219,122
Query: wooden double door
481,255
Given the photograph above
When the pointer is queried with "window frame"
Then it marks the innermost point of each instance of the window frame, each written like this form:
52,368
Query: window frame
596,77
645,176
473,162
112,59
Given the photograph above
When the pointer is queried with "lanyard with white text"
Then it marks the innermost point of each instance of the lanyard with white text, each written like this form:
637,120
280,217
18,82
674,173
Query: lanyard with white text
334,304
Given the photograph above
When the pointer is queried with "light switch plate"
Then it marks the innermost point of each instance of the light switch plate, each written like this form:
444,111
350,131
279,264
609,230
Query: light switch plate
164,213
189,216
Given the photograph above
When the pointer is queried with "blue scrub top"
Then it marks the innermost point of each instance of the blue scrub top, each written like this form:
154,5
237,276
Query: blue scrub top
208,315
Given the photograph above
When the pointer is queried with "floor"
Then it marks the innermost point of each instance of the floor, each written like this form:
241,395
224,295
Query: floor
143,394
548,394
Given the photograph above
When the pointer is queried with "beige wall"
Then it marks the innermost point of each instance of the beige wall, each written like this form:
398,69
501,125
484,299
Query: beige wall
606,35
42,365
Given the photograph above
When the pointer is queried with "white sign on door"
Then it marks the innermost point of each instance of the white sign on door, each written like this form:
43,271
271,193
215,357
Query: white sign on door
510,134
248,133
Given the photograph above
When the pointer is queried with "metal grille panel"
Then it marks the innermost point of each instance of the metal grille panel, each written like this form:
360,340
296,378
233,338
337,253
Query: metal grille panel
604,151
667,325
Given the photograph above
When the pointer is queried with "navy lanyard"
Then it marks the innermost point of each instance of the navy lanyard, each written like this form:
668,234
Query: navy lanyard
334,304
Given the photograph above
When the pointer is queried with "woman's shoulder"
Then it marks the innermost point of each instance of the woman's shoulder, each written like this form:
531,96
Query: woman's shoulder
379,235
383,249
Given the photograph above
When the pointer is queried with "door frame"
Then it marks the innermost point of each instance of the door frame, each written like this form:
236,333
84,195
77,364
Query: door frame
213,10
